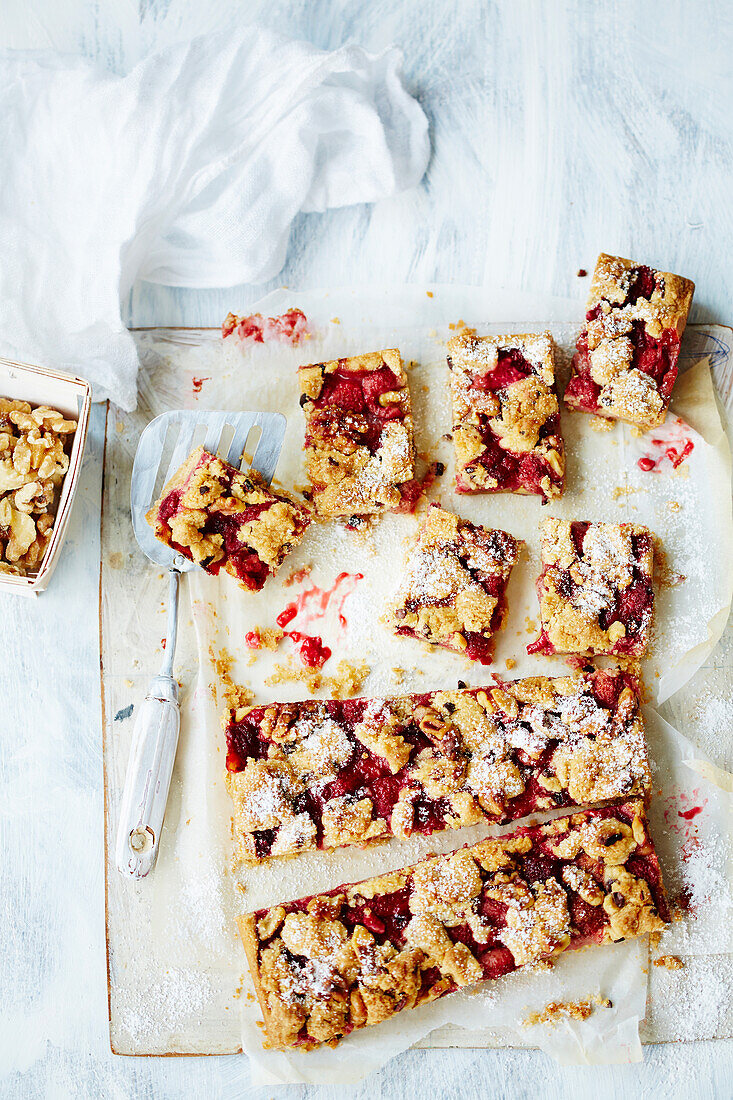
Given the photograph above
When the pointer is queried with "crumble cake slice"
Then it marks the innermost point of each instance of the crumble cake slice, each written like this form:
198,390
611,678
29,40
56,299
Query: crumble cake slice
223,518
323,774
595,589
328,964
359,449
626,360
506,416
452,589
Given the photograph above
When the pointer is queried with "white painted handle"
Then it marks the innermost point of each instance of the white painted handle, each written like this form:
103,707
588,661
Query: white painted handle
149,769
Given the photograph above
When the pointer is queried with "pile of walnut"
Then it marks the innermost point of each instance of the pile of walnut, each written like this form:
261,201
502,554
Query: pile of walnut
33,461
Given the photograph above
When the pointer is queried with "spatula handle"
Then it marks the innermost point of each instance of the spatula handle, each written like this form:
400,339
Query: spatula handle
150,765
148,778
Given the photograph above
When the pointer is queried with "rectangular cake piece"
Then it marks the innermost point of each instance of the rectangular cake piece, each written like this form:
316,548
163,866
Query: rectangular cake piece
223,518
452,588
323,774
359,447
326,965
626,360
595,589
506,419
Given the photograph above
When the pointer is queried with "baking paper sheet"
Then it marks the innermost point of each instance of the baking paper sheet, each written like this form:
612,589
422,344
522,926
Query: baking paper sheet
190,901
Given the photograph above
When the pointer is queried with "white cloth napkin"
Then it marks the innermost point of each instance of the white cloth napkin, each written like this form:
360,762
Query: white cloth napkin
188,171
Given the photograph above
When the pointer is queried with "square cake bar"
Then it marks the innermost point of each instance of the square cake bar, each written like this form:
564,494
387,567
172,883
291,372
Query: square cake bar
626,362
359,448
595,589
221,518
326,965
452,588
323,774
506,419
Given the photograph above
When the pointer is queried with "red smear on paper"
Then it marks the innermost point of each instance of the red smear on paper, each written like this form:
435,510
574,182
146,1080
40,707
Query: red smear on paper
675,449
290,327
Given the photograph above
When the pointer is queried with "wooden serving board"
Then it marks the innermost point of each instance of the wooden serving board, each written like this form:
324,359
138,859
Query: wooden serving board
187,1003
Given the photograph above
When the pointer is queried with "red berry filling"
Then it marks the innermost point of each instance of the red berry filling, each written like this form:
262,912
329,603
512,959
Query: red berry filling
387,915
513,472
358,392
365,774
632,605
248,566
655,356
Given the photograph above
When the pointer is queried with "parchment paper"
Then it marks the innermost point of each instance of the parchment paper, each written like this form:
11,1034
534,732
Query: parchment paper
190,898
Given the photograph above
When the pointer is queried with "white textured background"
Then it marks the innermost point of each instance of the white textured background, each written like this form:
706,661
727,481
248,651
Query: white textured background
559,129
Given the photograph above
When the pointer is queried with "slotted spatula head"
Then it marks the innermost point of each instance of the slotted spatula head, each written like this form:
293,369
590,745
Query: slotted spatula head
148,477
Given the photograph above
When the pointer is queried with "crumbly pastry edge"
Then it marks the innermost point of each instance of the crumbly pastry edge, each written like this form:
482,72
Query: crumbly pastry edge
546,594
504,692
539,350
636,808
369,361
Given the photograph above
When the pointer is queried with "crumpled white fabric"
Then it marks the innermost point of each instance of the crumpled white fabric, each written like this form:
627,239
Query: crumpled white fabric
188,171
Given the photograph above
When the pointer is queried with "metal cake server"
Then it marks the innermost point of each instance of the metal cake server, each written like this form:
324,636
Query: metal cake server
155,736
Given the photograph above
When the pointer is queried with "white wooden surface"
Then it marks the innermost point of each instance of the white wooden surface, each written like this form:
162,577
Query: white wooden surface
559,129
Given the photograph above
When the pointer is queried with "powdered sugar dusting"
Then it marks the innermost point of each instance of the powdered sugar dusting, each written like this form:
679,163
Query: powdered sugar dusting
164,1005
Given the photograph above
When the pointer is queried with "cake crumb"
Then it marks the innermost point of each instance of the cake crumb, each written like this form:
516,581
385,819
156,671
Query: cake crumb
581,273
349,678
268,637
429,293
670,962
601,424
335,320
622,491
530,625
222,664
398,675
296,576
461,327
510,662
673,505
346,682
573,1010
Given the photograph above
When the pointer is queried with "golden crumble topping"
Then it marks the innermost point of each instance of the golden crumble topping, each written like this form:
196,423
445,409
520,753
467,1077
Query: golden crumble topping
223,518
506,428
365,769
326,965
626,362
595,589
359,447
452,590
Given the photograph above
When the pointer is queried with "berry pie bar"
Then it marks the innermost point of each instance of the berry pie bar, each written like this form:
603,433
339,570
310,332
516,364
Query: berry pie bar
506,420
358,435
326,965
452,591
626,362
222,518
595,589
322,774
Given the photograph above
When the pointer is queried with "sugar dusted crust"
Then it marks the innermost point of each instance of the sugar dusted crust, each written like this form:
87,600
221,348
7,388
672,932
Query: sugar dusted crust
452,590
595,590
327,965
222,518
626,362
506,422
359,447
331,773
